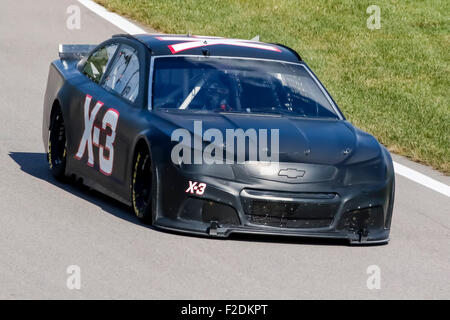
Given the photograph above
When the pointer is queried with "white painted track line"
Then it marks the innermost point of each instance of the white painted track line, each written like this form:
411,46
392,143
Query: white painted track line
400,169
422,179
114,18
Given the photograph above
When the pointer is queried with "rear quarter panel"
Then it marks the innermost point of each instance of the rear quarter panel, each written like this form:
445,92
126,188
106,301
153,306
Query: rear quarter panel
59,72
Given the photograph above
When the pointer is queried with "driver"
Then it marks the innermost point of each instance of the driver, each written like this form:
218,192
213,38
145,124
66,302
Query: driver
218,94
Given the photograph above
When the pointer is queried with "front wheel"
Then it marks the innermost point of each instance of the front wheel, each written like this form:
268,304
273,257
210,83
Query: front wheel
57,146
143,186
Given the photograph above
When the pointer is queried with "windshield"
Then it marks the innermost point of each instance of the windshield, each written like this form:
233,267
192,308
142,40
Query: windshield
208,84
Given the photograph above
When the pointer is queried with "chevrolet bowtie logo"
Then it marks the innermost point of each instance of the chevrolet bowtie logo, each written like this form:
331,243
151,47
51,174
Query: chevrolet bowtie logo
291,173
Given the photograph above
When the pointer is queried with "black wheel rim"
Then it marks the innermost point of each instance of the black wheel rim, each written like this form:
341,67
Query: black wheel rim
142,183
57,142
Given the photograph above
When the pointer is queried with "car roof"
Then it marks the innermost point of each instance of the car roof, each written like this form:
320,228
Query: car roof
169,44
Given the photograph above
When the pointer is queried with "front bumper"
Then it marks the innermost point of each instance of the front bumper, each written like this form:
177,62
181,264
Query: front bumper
360,214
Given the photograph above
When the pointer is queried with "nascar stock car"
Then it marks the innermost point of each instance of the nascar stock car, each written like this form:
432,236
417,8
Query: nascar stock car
215,136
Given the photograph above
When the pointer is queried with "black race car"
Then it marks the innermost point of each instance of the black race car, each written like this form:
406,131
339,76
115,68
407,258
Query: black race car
215,136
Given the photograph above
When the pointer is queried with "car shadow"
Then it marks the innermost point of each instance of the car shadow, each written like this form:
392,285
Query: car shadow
35,164
288,239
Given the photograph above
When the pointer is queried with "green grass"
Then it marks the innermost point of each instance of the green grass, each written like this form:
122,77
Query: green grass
393,82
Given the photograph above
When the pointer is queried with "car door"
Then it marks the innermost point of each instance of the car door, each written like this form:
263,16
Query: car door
110,102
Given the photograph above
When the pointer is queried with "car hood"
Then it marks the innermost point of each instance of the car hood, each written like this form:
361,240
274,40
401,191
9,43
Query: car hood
305,140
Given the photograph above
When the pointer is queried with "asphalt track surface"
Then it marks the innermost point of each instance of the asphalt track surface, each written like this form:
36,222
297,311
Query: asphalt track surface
45,226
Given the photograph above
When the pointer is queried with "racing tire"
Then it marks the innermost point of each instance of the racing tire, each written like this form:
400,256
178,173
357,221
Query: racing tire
57,146
143,187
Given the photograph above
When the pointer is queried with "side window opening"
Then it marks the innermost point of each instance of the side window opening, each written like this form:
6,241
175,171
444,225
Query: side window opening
97,63
123,75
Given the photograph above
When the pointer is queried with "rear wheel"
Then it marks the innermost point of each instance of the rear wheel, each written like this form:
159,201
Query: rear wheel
57,146
142,186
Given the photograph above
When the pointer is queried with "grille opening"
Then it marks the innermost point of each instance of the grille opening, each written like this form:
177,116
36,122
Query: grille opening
367,218
289,222
221,213
207,211
285,214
